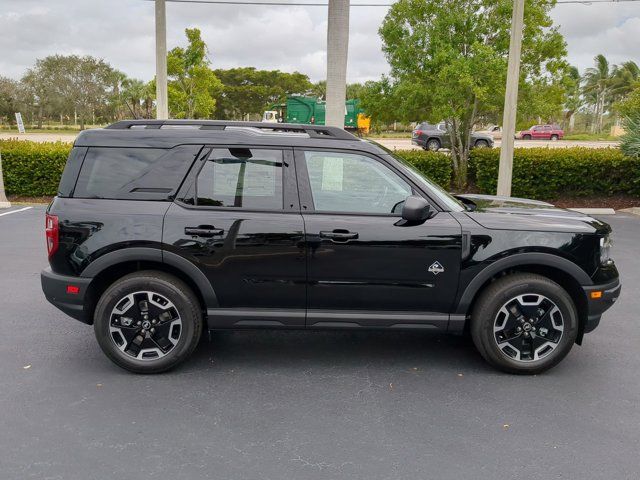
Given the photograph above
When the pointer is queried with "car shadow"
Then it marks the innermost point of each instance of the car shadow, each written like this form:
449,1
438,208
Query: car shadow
335,348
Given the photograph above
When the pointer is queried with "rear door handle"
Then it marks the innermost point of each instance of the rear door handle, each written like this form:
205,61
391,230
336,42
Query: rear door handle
339,235
203,231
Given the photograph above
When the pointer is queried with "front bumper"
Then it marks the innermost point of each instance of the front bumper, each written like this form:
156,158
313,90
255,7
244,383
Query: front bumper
608,295
56,290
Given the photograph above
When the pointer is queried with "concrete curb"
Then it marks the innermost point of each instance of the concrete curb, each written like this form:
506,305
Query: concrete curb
595,211
632,210
5,204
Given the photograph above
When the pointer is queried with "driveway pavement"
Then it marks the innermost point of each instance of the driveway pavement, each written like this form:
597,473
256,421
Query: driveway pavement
308,405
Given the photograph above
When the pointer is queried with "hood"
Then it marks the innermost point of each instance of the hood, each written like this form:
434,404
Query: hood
512,213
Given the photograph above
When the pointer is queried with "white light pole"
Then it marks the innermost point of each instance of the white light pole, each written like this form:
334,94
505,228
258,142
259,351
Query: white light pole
511,101
4,203
337,50
162,104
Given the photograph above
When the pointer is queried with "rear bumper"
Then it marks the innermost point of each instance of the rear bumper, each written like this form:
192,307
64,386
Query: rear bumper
597,306
55,290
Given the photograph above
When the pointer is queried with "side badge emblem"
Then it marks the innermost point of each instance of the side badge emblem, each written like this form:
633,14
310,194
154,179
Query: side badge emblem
436,268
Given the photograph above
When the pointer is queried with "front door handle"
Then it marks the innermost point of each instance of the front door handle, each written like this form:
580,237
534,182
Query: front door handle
203,231
339,235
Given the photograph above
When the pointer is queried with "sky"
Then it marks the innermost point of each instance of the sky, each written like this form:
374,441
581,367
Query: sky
274,37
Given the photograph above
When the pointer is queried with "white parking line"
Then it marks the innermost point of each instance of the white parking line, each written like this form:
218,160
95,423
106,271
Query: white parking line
15,211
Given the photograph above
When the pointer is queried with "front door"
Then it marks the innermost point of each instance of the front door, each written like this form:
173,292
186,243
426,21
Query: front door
366,267
237,218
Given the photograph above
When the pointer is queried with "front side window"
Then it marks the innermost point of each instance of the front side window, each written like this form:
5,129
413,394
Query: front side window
345,182
242,178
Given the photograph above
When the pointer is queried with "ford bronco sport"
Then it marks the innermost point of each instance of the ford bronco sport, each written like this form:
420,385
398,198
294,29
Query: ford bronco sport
161,229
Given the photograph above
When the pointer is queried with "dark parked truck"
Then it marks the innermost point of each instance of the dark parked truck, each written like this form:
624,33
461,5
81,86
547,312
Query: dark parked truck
162,229
311,110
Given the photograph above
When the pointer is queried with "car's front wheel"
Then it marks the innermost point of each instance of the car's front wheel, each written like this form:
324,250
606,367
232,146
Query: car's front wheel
524,323
526,137
148,322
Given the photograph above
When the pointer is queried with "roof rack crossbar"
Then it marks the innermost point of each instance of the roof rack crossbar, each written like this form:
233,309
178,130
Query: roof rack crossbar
314,131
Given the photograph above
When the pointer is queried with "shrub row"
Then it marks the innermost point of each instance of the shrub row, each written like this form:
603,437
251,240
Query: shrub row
435,165
32,169
547,173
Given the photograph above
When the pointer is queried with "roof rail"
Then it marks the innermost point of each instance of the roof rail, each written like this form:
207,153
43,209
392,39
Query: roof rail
314,131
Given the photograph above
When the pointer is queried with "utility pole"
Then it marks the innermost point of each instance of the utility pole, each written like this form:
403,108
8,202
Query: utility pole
162,105
505,172
337,50
4,203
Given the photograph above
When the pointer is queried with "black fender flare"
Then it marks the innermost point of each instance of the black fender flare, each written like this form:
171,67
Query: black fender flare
519,259
155,255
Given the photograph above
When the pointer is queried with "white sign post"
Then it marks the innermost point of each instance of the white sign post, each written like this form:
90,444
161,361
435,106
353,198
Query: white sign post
3,198
20,122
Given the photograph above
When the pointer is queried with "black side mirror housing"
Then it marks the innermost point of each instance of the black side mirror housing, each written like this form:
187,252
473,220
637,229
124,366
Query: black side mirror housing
416,209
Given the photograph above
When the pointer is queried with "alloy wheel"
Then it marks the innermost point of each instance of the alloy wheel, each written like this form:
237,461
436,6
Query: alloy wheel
528,327
145,325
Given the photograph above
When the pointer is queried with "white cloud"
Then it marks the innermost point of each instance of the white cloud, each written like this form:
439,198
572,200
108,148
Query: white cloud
285,38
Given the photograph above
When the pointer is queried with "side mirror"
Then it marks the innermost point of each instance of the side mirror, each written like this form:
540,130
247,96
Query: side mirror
416,209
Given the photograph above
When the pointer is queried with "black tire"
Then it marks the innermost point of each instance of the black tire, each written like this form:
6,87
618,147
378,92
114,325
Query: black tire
432,145
187,312
488,312
526,137
554,138
481,144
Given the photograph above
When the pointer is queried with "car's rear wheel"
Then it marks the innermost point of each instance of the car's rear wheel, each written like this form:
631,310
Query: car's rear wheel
148,322
526,137
481,144
554,138
433,145
524,323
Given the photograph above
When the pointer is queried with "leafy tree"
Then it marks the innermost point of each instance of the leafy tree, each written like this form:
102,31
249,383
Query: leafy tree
449,59
137,97
249,91
630,109
597,89
9,94
319,89
64,83
192,85
573,96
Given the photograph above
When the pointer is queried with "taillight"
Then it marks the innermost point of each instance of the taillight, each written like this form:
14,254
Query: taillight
51,232
417,133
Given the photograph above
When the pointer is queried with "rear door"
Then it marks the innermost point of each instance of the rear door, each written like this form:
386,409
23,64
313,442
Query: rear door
237,218
366,267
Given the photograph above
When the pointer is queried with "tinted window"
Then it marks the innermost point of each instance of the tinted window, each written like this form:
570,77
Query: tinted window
71,170
134,173
241,177
343,182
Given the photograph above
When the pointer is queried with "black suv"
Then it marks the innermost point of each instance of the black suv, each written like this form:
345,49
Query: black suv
163,228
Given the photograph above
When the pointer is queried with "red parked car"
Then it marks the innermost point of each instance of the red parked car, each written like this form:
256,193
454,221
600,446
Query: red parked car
542,132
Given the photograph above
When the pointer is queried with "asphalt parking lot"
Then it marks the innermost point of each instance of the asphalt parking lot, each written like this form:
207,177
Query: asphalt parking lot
308,405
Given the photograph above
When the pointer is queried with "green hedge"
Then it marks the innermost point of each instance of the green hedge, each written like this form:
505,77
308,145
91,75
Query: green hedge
32,169
435,165
547,173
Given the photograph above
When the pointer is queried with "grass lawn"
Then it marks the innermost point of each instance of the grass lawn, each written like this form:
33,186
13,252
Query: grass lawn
591,137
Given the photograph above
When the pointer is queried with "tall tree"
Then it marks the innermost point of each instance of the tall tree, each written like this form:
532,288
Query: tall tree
573,96
597,89
450,57
192,85
9,94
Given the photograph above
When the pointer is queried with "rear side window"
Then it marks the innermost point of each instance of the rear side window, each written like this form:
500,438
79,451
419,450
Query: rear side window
71,169
241,178
134,173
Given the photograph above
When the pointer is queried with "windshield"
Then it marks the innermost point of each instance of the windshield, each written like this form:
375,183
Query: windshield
445,197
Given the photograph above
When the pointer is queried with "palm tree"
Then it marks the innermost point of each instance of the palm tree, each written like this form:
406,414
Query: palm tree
597,89
573,96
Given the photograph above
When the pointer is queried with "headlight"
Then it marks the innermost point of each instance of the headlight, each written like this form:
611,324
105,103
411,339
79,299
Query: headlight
605,249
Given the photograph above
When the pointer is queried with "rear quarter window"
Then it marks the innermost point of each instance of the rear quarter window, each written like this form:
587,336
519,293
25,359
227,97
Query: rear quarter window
71,170
134,173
